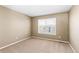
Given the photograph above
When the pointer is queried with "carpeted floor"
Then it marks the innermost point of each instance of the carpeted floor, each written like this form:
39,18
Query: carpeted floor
38,46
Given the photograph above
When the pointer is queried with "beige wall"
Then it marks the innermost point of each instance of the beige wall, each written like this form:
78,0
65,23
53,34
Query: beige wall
13,26
74,27
62,26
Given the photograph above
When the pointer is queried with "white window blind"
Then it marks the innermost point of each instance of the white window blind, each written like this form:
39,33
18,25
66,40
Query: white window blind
47,26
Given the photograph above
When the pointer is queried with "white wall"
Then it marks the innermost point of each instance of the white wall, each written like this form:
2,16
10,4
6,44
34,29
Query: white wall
74,27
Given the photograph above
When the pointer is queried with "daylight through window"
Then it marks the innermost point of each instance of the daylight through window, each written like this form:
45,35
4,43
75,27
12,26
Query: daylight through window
47,26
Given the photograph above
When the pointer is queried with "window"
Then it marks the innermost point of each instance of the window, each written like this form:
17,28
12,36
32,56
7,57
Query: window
47,26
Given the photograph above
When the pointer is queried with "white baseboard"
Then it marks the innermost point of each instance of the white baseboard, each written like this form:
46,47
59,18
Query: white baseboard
14,43
74,51
50,39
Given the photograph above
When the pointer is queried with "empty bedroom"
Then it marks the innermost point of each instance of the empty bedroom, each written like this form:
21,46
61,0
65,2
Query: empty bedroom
39,29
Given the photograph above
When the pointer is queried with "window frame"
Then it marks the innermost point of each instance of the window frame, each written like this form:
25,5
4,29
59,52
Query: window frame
52,25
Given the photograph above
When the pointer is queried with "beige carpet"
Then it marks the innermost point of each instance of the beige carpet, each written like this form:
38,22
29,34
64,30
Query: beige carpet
38,46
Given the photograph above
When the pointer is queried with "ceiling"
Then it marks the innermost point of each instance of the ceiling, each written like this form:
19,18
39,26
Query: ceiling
39,10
